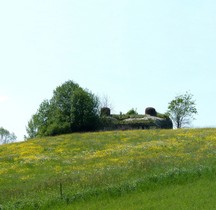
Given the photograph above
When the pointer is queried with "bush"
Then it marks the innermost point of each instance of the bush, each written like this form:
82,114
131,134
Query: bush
70,109
132,112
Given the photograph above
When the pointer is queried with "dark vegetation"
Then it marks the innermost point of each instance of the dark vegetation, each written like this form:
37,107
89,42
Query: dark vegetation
73,109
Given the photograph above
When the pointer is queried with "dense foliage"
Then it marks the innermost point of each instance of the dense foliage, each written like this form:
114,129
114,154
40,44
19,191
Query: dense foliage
182,109
70,109
73,109
132,112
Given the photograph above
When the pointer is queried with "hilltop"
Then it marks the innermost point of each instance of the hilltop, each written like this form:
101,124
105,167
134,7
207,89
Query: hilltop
132,120
51,172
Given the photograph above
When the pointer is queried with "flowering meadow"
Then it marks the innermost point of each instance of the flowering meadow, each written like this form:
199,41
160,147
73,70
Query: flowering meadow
50,172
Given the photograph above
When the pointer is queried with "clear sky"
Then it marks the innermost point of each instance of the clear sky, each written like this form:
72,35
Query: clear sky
139,53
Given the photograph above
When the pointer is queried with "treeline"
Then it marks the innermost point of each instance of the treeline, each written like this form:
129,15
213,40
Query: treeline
74,109
71,109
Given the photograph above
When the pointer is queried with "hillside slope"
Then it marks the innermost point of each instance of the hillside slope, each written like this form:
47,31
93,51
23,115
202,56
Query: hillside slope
42,173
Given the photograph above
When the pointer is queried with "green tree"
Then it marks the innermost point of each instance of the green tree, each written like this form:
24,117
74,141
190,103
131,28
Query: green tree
6,137
84,111
38,124
70,109
60,117
182,109
32,128
132,112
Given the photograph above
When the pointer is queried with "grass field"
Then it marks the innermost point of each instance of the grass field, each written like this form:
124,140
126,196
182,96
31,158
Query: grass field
142,169
200,194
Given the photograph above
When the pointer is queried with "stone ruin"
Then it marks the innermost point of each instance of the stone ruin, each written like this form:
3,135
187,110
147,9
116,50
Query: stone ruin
150,111
105,111
151,120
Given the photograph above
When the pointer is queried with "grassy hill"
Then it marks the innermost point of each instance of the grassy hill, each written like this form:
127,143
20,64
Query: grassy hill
110,170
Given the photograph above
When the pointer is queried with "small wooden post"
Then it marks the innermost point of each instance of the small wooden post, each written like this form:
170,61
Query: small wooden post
61,193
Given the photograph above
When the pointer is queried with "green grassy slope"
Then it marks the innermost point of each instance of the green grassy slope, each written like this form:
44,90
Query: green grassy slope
71,170
199,194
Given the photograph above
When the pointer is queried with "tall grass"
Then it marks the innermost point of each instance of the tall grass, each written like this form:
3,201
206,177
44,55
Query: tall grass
199,194
47,172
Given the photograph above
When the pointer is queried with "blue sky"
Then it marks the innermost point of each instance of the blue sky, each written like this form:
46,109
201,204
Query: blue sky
139,53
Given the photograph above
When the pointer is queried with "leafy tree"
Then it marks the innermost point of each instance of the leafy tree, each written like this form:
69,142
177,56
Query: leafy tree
38,124
70,109
6,137
60,114
32,128
84,111
182,109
